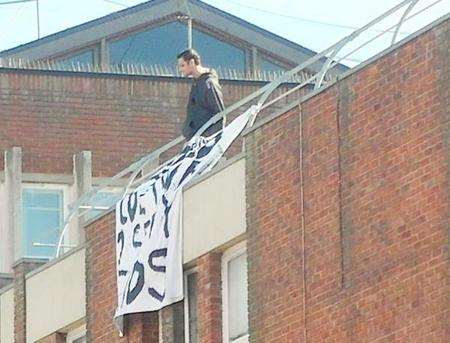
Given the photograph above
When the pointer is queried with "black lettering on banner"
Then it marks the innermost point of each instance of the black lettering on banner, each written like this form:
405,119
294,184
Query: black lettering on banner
166,215
132,205
168,180
121,241
154,193
161,269
189,170
141,210
149,223
178,160
204,151
123,219
185,150
133,293
136,229
155,294
123,272
156,254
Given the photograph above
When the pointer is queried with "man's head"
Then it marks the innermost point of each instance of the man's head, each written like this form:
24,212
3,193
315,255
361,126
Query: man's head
188,62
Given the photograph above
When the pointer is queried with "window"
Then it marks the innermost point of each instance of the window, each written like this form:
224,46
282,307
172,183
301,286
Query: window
216,53
77,336
156,46
160,46
83,58
266,65
190,307
43,216
103,201
234,295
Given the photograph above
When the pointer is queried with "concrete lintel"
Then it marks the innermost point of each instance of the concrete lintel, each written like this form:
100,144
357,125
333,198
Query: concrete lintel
13,181
82,174
30,260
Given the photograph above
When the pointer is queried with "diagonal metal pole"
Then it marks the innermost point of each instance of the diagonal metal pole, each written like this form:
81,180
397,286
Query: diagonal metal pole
402,19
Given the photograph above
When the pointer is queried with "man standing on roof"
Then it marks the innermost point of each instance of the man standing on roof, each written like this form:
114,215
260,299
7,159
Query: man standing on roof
205,98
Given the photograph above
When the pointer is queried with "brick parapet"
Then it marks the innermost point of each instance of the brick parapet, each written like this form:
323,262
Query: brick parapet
375,166
20,269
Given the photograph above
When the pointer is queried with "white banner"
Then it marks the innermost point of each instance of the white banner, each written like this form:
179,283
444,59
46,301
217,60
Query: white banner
148,225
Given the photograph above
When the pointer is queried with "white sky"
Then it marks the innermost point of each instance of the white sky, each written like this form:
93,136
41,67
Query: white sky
18,21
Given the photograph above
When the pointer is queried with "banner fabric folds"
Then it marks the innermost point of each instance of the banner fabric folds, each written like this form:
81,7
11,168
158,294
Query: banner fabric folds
148,225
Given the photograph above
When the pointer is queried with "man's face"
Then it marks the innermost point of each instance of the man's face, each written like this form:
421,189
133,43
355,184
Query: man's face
186,68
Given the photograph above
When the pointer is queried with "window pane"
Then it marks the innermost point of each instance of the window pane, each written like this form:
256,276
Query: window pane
160,46
157,46
42,220
102,199
216,53
85,58
237,297
192,308
267,65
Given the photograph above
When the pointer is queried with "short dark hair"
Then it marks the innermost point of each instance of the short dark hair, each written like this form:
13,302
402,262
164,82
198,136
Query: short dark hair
190,54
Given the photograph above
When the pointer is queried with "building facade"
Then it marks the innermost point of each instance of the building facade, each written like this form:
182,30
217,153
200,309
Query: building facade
328,223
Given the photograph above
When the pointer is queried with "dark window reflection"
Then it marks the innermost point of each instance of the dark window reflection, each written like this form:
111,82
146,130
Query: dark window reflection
160,45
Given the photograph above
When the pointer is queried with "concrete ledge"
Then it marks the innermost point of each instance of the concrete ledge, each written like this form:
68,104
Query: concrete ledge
29,260
51,263
6,289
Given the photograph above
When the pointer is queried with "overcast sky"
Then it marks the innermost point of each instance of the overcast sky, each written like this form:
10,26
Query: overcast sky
313,24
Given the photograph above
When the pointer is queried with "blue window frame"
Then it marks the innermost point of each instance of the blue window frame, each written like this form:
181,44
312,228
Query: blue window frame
42,220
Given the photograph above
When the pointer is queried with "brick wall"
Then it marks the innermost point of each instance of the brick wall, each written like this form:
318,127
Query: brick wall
273,231
53,115
373,152
21,268
209,301
56,337
101,290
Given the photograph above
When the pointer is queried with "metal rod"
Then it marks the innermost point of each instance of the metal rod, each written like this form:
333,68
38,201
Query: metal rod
15,2
380,34
402,19
53,245
326,66
90,207
37,19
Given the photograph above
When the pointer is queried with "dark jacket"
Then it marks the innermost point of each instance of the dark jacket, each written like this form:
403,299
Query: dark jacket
205,100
